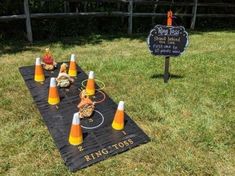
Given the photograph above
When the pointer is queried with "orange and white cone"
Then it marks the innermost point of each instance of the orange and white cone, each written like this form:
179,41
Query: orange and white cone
72,66
118,120
90,86
75,136
38,73
53,97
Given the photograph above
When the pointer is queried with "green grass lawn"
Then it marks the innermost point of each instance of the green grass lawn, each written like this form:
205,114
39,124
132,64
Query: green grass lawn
190,120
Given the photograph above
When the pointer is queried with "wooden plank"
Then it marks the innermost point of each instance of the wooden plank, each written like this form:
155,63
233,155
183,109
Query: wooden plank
194,13
183,15
99,14
216,15
28,21
12,17
167,3
216,4
163,3
130,19
60,15
96,0
158,14
176,3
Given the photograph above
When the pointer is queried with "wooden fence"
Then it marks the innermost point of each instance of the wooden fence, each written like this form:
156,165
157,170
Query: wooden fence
129,14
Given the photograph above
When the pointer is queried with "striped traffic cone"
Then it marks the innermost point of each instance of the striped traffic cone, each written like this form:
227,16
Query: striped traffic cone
38,73
90,86
72,66
75,136
53,97
118,120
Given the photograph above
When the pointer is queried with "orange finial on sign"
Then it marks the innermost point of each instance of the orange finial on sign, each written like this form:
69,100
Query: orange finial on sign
169,18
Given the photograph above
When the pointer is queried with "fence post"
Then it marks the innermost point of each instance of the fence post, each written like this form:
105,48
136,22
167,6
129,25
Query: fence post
28,21
130,10
194,13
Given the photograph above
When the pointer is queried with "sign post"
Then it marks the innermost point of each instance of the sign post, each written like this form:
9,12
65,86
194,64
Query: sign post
167,41
167,58
166,72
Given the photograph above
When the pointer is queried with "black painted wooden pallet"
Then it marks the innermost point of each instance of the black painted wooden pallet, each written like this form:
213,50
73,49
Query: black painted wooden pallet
99,143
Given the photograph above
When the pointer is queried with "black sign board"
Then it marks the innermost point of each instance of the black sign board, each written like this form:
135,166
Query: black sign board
167,40
100,141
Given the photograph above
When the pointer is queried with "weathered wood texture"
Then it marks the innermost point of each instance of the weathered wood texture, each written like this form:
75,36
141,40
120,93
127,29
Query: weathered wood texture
28,21
130,19
194,14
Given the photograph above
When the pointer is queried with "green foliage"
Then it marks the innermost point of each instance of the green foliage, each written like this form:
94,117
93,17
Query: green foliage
11,7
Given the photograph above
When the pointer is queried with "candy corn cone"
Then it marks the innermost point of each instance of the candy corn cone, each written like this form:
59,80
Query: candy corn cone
53,97
72,66
118,121
38,74
75,136
90,86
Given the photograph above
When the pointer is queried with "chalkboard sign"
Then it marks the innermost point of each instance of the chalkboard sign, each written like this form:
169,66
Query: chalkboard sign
167,40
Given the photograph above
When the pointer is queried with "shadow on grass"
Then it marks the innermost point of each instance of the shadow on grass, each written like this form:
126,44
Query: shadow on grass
172,76
13,47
